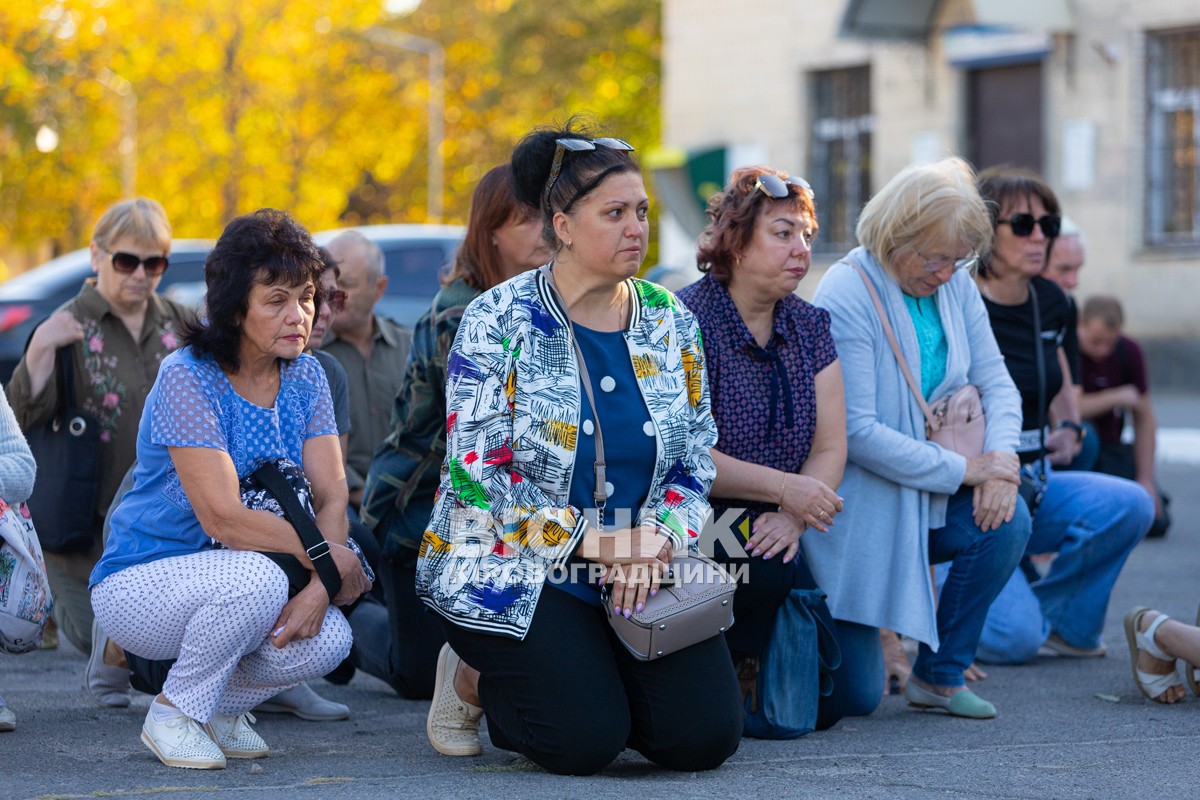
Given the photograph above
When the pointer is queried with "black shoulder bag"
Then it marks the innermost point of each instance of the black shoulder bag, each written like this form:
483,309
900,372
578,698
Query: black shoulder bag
1033,484
67,451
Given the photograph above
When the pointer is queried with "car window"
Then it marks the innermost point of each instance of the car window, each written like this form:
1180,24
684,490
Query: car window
413,270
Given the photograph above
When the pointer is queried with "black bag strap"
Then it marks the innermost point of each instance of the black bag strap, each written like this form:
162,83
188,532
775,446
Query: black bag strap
306,527
64,381
1041,379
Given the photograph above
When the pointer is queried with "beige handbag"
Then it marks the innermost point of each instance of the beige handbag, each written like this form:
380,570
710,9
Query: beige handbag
695,600
955,422
697,605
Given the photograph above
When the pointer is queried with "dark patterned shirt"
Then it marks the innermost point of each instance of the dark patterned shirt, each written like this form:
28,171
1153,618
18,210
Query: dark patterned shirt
763,399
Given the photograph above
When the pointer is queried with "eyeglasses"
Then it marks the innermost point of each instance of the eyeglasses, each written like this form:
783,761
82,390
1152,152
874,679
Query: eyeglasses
561,146
128,262
336,300
1022,224
933,265
776,187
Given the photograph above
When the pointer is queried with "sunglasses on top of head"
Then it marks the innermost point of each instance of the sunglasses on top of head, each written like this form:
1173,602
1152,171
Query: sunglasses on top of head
1022,224
561,146
776,187
128,262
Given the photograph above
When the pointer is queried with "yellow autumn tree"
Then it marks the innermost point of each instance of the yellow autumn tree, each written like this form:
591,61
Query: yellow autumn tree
287,103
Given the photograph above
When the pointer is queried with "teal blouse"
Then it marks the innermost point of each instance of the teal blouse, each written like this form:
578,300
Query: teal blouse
931,337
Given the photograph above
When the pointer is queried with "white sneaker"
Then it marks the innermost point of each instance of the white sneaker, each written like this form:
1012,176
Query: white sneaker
306,704
235,737
453,724
8,720
181,742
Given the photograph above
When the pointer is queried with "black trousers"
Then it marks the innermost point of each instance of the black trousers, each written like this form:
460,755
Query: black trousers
570,698
398,642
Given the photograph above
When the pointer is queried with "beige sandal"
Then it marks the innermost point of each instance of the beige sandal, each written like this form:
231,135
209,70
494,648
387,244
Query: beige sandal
1152,685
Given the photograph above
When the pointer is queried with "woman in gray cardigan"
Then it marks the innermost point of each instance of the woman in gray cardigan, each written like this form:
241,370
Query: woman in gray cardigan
909,502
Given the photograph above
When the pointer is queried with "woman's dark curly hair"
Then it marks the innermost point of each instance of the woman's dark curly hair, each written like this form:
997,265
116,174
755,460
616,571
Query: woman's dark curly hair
267,247
582,170
732,214
1006,186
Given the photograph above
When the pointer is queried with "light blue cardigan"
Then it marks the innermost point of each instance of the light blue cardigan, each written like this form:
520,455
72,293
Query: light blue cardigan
874,562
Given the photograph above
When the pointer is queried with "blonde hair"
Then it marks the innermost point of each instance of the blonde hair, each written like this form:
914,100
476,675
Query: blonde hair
141,219
924,202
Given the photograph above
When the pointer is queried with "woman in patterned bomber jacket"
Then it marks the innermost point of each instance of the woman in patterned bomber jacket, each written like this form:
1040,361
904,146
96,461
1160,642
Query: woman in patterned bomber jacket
516,544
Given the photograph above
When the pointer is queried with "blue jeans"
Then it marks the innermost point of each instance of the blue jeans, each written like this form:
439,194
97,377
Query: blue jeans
1092,522
981,564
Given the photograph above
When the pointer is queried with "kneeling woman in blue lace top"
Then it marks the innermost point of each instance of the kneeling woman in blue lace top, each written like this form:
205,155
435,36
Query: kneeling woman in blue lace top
180,577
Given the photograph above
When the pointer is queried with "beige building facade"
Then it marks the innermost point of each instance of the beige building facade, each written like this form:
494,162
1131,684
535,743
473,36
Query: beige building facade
1101,96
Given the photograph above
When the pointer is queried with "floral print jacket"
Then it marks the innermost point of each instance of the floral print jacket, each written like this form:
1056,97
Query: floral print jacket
112,376
501,520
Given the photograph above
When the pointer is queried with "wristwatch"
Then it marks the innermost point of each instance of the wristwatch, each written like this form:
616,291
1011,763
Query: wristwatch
1080,431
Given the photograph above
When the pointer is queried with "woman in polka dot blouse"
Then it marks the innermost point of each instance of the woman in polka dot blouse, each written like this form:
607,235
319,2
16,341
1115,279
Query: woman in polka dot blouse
777,393
180,578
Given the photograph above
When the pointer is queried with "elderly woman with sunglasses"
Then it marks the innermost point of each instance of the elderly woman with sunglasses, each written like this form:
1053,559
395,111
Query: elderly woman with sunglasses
911,502
117,330
526,521
777,392
1091,521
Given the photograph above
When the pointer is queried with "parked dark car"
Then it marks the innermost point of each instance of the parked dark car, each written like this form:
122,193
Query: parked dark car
414,256
28,298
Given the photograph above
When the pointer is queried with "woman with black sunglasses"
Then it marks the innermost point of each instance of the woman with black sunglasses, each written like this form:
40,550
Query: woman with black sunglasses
118,330
527,522
1090,521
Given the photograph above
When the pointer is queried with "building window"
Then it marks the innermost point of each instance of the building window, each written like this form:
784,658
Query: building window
1173,91
840,160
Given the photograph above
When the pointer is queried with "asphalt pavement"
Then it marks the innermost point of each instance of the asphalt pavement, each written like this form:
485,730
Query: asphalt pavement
1066,728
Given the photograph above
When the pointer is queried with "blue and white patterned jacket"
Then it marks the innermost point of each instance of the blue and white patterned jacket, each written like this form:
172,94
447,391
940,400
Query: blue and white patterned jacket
502,520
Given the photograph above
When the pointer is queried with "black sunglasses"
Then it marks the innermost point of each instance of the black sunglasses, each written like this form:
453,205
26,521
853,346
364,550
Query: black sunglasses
336,300
776,187
128,262
561,146
1022,224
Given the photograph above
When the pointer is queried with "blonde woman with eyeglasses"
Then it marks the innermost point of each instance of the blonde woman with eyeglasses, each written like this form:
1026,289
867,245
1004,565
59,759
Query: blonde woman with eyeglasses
910,502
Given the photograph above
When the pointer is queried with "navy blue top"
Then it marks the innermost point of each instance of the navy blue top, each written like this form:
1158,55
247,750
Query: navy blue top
630,445
764,399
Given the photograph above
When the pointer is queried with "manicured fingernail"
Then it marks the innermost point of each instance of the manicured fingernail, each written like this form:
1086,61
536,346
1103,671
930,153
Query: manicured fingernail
617,610
787,560
640,606
756,551
749,545
653,592
628,613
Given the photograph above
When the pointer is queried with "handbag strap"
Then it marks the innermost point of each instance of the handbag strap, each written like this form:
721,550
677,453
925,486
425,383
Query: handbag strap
1041,381
314,543
64,382
600,494
891,337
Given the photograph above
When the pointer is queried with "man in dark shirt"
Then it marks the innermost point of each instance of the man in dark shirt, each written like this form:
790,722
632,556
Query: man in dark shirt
1114,383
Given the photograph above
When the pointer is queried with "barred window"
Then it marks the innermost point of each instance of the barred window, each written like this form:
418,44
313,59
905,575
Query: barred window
1173,95
840,158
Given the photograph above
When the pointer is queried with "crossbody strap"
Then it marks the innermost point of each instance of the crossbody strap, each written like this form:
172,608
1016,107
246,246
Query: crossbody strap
64,382
600,494
1041,380
306,527
891,337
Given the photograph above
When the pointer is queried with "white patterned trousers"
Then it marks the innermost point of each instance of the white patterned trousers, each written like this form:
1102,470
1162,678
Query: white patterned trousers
212,611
